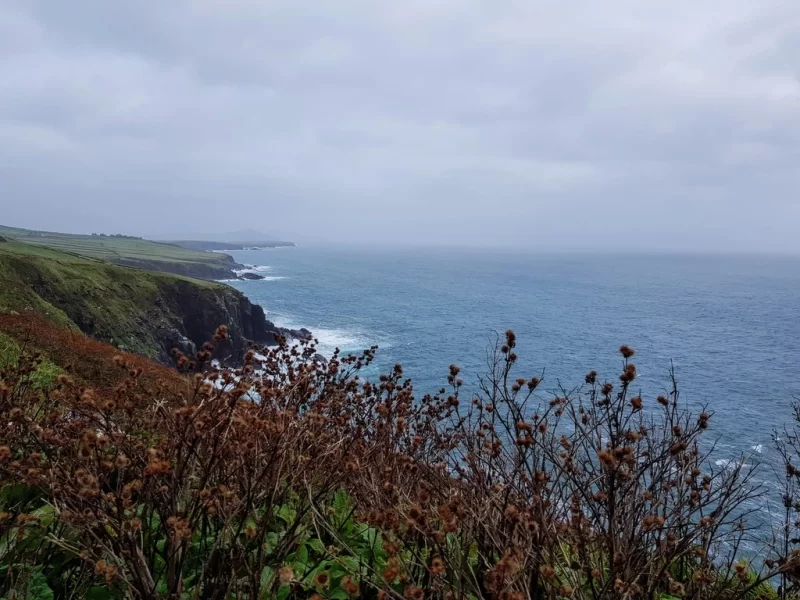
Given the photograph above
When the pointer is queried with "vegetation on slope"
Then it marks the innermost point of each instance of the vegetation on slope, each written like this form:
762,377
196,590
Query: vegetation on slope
132,252
290,478
145,312
89,362
12,351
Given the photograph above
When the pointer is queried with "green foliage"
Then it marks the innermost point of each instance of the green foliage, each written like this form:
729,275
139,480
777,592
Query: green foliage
46,372
32,585
340,547
24,545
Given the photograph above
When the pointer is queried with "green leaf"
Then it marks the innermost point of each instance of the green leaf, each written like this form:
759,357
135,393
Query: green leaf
272,540
98,593
346,530
317,546
161,587
46,514
341,504
284,591
300,560
13,494
267,577
38,588
287,514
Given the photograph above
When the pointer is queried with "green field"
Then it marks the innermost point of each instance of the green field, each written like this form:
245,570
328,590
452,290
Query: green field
130,251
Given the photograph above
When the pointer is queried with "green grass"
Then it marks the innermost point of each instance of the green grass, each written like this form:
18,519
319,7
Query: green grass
47,252
128,251
45,375
116,304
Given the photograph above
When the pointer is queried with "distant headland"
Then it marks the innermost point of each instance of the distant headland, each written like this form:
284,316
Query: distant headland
222,246
245,239
140,295
190,258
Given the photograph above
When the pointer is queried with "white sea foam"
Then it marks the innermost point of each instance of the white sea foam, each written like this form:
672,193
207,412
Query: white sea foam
263,278
258,269
329,338
345,340
727,463
268,278
758,448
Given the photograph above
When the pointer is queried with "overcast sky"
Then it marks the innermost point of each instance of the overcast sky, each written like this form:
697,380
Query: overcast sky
564,125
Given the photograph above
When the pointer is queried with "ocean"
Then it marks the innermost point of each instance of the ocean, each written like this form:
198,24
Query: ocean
730,325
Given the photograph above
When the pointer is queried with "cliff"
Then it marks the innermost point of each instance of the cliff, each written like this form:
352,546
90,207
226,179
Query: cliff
219,270
142,311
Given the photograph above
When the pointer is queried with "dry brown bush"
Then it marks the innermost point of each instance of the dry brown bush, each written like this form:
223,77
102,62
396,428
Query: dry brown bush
173,486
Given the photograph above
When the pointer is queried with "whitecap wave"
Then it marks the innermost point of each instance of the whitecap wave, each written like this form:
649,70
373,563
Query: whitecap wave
729,464
263,278
330,338
758,448
345,340
257,269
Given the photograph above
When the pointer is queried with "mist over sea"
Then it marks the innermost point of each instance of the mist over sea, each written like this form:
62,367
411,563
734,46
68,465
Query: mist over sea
730,325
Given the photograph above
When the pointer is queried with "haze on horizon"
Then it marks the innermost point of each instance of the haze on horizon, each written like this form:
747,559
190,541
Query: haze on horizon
619,124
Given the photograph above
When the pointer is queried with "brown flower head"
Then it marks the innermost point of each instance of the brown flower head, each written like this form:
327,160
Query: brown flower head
322,579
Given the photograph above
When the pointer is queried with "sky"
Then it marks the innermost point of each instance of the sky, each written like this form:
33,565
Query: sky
615,124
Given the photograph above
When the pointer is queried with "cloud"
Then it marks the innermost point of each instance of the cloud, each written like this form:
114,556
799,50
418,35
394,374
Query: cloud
664,125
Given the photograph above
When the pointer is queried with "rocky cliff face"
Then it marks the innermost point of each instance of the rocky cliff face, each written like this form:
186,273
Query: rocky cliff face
141,311
193,314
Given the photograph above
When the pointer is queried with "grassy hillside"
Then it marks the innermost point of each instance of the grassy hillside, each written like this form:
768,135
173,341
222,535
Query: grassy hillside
145,312
130,251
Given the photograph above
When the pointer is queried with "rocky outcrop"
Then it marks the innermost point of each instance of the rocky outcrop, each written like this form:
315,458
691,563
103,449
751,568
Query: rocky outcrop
198,311
298,334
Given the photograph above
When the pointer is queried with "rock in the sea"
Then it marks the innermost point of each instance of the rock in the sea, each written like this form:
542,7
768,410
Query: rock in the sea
299,334
250,276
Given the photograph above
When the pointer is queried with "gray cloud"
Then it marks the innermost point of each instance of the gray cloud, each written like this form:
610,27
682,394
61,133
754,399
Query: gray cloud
658,125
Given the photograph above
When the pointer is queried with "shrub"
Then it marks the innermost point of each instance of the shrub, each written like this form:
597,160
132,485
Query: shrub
289,475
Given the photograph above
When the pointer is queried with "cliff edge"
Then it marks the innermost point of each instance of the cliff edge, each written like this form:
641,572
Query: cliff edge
146,312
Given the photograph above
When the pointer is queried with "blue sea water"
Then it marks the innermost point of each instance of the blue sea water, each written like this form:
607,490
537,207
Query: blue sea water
729,324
